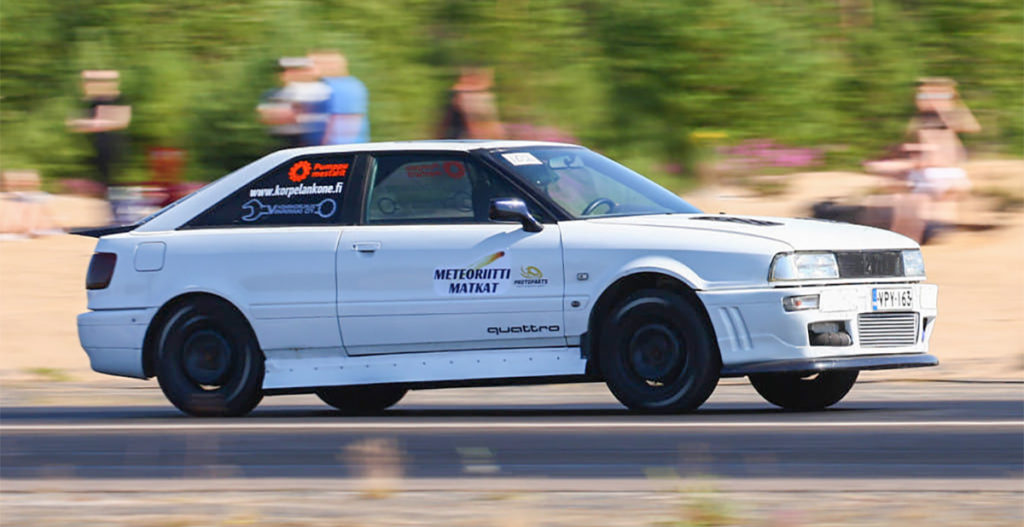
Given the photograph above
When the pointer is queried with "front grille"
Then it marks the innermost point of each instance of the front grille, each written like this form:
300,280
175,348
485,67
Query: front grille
870,264
887,330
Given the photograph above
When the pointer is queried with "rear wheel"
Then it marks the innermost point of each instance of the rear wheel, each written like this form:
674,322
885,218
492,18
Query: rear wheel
657,353
795,391
209,363
362,400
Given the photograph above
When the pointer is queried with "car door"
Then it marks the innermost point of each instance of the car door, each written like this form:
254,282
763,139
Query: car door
426,270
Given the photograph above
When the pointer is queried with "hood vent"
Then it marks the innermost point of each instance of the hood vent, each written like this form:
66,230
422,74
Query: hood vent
734,219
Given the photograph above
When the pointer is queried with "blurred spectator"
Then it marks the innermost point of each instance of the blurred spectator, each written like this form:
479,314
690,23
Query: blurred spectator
931,182
166,166
471,112
296,111
348,119
108,114
936,148
24,207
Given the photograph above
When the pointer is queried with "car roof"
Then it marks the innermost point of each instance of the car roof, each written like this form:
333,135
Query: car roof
462,145
217,190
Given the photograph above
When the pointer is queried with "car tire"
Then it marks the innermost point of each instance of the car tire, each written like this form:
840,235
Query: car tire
209,363
657,353
795,391
362,400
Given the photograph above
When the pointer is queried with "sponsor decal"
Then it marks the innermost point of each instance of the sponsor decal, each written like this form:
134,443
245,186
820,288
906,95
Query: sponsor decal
521,158
531,277
471,274
278,191
475,279
304,169
487,260
255,209
530,271
452,169
525,328
299,171
473,288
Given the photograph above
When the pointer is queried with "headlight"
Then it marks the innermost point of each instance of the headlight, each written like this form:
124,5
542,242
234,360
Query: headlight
913,263
803,266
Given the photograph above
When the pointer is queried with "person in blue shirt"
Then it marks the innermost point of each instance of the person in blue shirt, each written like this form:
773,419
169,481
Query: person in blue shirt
297,111
347,107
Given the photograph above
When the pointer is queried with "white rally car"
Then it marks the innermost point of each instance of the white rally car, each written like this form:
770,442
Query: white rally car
359,272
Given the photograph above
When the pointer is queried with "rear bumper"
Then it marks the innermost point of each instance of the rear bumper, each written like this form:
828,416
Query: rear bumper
869,362
113,340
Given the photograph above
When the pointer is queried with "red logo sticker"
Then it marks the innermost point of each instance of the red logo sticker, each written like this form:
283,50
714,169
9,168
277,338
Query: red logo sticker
299,171
303,169
452,169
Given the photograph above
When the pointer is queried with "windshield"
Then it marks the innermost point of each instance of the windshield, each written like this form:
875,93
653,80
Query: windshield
588,185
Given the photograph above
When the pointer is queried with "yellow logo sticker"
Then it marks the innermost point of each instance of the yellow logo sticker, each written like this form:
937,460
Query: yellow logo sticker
530,271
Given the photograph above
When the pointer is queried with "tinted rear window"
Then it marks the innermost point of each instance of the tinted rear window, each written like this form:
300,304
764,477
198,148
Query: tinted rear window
306,191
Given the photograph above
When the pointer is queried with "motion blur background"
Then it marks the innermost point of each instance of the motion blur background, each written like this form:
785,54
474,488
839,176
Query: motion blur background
659,85
748,106
779,108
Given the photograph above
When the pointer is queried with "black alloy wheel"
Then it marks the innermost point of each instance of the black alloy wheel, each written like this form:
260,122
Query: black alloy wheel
362,400
209,363
657,353
802,391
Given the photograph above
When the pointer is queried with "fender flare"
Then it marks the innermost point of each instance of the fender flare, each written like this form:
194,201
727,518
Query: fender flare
655,264
148,342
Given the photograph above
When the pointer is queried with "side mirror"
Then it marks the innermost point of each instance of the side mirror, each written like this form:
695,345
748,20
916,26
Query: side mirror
513,209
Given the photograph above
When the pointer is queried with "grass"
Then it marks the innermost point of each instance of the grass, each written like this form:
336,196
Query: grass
50,374
701,508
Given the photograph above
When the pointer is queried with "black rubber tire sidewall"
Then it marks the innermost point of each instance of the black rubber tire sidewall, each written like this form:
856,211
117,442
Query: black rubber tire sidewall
362,400
793,391
702,364
242,391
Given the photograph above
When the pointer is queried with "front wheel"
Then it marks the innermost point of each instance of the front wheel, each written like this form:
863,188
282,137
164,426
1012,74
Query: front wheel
657,353
362,400
796,391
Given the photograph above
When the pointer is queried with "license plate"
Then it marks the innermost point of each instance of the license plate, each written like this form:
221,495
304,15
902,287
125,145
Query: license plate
887,299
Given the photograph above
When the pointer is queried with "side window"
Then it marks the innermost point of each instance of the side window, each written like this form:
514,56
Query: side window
305,191
432,188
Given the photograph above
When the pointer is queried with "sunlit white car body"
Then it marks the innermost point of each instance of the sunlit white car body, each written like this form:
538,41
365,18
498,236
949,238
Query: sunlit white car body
361,304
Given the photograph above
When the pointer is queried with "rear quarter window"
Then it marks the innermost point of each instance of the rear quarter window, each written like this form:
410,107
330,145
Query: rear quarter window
305,191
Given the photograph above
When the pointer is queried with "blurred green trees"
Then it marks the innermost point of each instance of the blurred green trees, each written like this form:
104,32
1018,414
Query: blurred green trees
633,79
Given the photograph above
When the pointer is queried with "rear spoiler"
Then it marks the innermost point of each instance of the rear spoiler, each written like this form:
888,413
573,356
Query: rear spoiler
97,232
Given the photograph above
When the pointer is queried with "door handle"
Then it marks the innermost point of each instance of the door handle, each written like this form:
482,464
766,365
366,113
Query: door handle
366,247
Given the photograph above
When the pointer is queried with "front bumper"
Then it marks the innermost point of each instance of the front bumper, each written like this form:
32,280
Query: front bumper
113,340
869,362
756,335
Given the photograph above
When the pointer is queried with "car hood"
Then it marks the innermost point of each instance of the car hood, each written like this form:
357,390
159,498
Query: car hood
801,234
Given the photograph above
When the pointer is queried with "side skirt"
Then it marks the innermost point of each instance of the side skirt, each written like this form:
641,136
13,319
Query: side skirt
289,370
475,383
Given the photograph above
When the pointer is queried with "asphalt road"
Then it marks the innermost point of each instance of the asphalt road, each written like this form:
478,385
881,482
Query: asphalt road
911,434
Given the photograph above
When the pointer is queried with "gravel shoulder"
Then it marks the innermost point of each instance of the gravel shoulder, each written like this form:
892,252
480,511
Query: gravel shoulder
692,503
